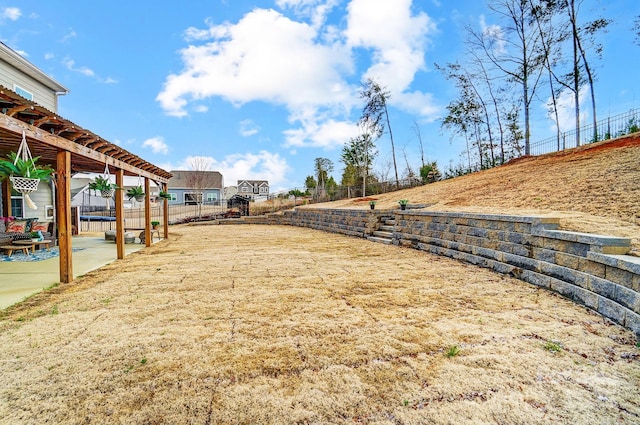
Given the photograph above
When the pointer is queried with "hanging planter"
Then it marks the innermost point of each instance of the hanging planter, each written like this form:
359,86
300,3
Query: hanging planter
136,193
22,171
103,185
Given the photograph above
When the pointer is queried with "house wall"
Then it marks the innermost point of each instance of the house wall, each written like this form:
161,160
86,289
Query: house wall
43,197
180,195
9,77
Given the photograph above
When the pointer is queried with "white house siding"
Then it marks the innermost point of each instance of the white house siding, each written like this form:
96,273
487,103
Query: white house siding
42,197
9,77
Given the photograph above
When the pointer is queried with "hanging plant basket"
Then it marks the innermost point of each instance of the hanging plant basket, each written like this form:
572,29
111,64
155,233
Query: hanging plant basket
24,185
103,185
22,171
107,193
139,198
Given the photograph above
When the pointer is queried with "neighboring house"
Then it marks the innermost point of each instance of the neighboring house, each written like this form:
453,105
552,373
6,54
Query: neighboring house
257,190
186,186
25,79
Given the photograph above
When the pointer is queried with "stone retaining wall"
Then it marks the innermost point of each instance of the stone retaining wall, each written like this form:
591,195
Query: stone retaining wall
590,269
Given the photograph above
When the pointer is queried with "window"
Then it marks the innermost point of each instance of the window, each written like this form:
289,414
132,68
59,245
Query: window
212,197
22,92
48,212
17,206
192,198
173,196
244,189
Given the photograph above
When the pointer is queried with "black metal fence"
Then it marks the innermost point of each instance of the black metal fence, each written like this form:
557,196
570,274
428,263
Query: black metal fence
94,219
605,129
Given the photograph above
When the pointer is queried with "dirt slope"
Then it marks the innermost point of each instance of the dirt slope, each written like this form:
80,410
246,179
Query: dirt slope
593,189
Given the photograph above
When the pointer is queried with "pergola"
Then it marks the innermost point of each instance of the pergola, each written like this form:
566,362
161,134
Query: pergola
71,149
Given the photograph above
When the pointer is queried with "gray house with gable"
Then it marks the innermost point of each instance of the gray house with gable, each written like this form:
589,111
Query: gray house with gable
25,79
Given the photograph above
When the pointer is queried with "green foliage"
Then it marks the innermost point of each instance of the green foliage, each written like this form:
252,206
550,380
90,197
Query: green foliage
22,168
403,202
164,195
429,173
101,184
553,346
372,203
453,351
155,223
297,193
135,192
310,183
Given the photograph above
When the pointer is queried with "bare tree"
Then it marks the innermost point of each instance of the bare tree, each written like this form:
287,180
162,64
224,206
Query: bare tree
514,49
199,179
323,166
580,35
376,113
416,130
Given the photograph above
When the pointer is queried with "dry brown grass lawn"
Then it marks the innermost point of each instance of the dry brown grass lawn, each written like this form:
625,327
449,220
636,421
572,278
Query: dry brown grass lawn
279,325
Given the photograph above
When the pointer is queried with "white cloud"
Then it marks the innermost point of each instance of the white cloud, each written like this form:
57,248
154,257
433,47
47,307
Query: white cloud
566,109
10,13
494,35
305,67
68,36
264,57
398,40
326,134
248,128
157,145
70,64
316,10
49,56
242,166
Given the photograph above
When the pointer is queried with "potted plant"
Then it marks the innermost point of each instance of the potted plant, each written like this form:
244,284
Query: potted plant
372,205
164,195
135,192
24,174
155,224
104,186
403,203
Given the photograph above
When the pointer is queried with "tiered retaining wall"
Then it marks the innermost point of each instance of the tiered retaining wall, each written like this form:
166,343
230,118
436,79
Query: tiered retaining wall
592,270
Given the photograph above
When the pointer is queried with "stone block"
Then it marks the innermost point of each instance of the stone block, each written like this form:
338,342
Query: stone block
542,254
561,287
632,322
620,276
592,268
522,262
586,297
602,287
612,310
535,278
567,260
627,298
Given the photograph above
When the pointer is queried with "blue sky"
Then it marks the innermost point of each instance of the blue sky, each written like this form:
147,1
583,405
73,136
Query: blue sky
262,88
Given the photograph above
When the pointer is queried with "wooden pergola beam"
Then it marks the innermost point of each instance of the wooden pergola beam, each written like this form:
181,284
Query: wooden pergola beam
75,148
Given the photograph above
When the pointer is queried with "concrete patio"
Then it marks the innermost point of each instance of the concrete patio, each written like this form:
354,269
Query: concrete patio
19,280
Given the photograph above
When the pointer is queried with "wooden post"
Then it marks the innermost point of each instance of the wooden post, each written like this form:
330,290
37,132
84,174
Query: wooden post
6,200
120,214
63,210
165,212
147,213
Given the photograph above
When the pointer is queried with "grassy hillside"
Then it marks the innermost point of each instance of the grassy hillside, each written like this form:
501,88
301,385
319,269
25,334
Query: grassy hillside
594,188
